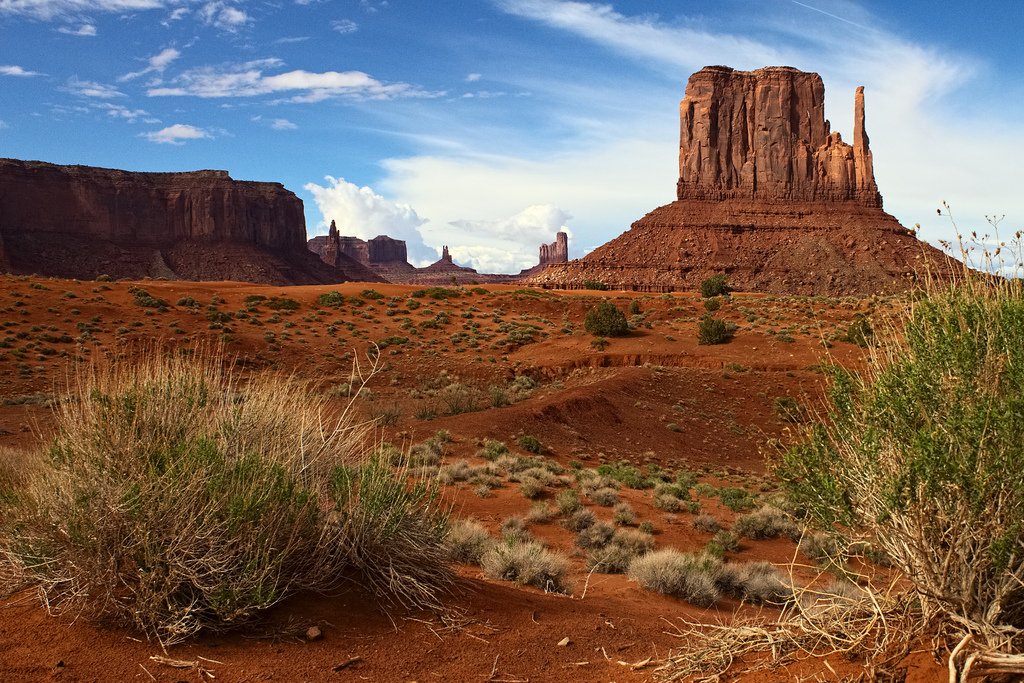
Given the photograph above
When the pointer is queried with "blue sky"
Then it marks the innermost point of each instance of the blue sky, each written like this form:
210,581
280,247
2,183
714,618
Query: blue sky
488,125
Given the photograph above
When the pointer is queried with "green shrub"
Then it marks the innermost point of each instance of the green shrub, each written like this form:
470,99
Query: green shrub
530,444
276,303
437,293
859,332
735,499
922,452
716,285
788,409
371,294
634,307
214,501
330,299
711,331
595,285
146,301
712,304
605,320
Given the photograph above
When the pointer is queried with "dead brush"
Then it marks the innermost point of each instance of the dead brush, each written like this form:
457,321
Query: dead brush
877,628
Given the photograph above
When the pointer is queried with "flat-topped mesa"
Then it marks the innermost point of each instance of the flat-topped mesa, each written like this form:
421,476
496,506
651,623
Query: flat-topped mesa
763,135
157,209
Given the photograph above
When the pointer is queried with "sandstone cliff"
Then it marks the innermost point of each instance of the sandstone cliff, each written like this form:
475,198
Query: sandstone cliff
763,135
81,221
767,194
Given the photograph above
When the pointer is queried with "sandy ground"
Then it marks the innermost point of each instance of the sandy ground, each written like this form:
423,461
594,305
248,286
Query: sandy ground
654,397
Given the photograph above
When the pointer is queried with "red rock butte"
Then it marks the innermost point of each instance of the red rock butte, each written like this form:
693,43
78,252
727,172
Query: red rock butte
768,194
83,221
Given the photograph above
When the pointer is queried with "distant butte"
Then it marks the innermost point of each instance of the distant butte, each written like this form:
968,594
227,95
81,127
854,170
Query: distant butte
83,221
767,194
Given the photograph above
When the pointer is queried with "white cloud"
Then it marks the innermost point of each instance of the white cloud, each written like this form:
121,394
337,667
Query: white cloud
176,15
131,115
361,212
223,16
472,77
506,245
173,135
92,89
283,124
247,80
83,30
16,71
157,63
297,39
344,26
49,9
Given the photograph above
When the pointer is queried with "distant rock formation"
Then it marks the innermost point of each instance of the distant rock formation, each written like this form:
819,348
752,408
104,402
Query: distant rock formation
766,194
387,257
81,221
556,252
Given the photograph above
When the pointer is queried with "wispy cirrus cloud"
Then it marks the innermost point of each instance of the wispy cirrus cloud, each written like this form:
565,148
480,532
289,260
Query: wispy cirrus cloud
83,30
82,88
50,9
176,134
157,63
247,80
17,71
283,124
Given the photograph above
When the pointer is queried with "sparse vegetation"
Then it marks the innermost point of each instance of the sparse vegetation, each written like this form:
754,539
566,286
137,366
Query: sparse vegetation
606,320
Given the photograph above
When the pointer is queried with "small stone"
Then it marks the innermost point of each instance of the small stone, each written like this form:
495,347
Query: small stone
314,633
564,642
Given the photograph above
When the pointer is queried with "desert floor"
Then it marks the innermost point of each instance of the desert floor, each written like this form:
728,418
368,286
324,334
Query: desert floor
653,398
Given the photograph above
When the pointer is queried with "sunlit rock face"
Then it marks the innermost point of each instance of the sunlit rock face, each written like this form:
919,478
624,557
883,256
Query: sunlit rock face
766,194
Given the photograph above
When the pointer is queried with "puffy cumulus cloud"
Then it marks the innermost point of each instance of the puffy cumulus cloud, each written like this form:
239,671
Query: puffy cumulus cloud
344,26
247,80
506,245
83,30
222,15
472,77
361,212
174,135
283,124
157,63
16,71
92,89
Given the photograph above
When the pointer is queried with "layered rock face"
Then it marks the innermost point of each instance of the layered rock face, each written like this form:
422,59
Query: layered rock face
767,194
556,252
763,135
147,208
81,221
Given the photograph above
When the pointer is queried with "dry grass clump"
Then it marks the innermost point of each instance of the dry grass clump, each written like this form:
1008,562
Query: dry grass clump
765,523
568,502
595,536
540,513
605,497
541,474
527,563
590,481
426,454
579,520
467,541
670,572
18,467
615,556
530,487
761,583
623,514
176,498
668,502
515,527
706,523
